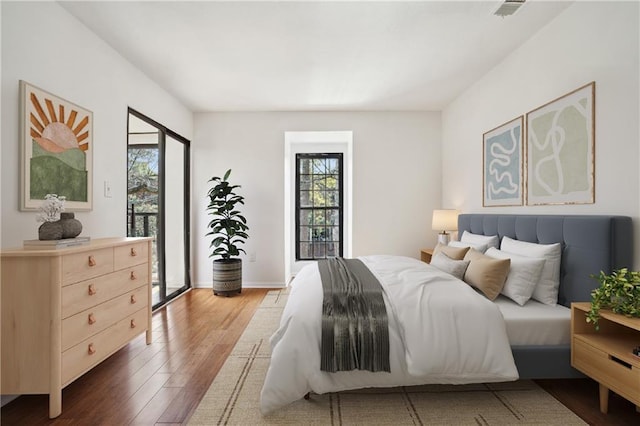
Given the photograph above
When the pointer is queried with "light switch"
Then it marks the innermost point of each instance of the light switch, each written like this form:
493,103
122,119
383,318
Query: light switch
107,189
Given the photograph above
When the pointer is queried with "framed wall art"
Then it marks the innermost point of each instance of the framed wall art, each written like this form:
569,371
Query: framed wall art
561,150
502,165
57,150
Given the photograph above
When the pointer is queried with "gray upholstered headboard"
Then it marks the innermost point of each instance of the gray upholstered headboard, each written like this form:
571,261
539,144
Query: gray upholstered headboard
589,244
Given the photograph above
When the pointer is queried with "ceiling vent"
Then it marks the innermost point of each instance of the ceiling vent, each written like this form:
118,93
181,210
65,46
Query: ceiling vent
509,7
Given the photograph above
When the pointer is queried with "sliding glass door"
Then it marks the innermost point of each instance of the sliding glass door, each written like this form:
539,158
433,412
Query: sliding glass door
158,201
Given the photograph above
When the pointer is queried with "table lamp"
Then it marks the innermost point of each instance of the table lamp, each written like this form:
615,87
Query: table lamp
445,220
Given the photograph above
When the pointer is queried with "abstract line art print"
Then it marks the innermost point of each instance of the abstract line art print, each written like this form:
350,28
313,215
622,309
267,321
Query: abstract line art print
57,150
502,157
560,150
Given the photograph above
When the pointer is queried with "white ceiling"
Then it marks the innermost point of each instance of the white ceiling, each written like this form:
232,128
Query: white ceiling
320,56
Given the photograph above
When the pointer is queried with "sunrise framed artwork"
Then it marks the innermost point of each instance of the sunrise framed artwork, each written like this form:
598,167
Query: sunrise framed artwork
56,150
502,165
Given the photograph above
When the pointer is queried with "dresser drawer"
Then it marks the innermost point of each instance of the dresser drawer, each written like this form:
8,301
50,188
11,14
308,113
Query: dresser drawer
85,294
88,264
130,255
620,377
91,351
92,321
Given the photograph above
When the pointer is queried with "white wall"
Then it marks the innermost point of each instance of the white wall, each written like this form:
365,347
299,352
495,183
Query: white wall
589,41
47,47
396,181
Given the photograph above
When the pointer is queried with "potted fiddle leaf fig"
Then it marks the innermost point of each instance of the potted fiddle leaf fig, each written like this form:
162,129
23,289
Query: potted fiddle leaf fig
618,291
228,228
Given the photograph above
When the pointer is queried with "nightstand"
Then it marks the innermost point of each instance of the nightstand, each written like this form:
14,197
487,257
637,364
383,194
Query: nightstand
606,355
425,255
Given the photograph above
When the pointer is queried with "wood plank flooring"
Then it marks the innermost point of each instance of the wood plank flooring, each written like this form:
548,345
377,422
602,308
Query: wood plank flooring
161,384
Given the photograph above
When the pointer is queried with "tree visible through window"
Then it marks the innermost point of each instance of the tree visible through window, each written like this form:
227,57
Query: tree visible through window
319,206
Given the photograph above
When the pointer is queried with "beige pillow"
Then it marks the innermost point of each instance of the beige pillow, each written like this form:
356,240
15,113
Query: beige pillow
486,273
455,253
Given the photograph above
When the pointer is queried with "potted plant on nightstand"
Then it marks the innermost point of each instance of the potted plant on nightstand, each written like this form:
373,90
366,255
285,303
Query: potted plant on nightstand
228,228
618,291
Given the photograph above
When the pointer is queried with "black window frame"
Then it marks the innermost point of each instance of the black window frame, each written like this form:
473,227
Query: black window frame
299,209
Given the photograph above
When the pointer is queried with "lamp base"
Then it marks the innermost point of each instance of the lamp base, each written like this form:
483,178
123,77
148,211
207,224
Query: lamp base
443,239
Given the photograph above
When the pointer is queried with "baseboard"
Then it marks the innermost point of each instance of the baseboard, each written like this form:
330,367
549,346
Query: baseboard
245,285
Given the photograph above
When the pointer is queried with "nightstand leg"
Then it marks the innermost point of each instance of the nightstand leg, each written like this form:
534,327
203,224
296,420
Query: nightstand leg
604,399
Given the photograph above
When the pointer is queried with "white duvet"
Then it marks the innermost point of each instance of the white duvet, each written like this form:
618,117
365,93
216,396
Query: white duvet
440,331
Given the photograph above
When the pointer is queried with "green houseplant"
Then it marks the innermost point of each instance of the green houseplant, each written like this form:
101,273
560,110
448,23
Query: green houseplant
228,228
618,291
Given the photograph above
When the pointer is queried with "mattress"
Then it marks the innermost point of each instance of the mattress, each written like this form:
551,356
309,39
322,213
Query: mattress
535,323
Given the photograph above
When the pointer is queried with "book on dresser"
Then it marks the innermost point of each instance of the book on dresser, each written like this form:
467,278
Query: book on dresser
55,244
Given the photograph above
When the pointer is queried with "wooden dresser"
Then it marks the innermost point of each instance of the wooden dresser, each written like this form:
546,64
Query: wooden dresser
66,310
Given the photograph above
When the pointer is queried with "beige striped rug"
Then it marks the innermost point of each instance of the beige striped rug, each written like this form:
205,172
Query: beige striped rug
234,395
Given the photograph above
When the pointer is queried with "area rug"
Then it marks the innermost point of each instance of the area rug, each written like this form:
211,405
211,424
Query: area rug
234,395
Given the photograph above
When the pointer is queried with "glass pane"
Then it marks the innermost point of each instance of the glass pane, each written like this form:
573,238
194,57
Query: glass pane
319,199
305,166
331,182
318,217
305,233
332,166
174,216
332,249
306,217
305,183
319,250
333,198
305,199
336,234
333,217
319,233
319,183
318,166
305,250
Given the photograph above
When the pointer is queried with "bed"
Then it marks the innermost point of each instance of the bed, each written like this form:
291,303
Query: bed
467,353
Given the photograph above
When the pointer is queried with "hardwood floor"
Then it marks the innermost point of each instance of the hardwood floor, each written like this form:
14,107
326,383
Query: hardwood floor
161,384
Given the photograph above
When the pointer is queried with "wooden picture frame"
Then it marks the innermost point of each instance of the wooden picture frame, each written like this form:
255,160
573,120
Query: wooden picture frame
56,150
561,150
502,165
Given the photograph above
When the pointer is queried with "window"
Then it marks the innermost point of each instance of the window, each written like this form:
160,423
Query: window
319,206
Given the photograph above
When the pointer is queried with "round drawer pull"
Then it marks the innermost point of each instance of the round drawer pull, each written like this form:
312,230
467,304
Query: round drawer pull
92,261
133,298
133,251
91,349
133,323
133,275
92,290
92,318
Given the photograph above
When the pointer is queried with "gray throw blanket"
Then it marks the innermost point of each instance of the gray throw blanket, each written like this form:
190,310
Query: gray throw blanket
355,330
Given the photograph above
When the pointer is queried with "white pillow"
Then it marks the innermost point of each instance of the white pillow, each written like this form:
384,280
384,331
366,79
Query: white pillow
479,247
489,241
547,289
443,262
523,277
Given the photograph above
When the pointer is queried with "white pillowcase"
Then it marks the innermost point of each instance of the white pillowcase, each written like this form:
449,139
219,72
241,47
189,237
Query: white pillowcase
479,247
443,262
524,274
489,241
547,289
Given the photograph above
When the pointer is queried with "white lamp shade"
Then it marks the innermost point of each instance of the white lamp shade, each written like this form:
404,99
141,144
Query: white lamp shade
445,220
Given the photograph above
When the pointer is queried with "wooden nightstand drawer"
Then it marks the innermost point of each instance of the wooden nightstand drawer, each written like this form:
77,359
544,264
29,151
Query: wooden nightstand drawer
85,294
616,374
130,255
82,266
94,320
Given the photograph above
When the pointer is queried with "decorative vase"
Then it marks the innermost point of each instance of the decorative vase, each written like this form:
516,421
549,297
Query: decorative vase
71,227
227,276
50,231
